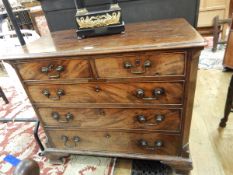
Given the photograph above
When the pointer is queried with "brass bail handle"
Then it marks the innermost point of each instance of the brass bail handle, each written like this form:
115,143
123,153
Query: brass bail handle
59,93
158,144
70,143
68,117
156,93
128,65
143,120
47,70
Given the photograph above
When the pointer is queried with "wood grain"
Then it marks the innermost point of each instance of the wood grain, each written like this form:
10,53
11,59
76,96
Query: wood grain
113,118
210,147
162,64
73,69
104,97
110,141
228,61
189,99
152,35
109,93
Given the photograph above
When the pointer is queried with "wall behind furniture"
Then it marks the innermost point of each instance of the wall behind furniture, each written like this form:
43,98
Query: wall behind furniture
60,13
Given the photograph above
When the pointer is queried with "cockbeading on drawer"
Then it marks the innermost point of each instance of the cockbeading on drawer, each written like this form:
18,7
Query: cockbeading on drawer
54,69
109,93
136,65
114,141
168,120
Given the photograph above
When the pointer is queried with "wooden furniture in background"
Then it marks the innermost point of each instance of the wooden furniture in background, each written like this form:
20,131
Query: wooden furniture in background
209,9
34,13
228,58
3,96
228,105
228,64
218,30
22,18
128,95
230,9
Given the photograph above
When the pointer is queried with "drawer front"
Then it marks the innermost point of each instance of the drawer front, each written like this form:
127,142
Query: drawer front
105,93
144,65
58,69
113,141
149,119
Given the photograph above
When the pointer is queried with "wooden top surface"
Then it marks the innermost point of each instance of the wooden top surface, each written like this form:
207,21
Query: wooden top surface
153,35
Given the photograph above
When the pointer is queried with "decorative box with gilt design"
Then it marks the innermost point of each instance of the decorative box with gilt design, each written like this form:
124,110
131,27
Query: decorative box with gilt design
94,23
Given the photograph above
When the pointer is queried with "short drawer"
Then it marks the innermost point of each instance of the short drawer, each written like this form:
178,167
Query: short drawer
148,119
59,69
141,65
106,93
115,141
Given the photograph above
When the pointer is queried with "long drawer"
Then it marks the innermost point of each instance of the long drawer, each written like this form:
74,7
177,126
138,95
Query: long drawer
110,141
118,118
55,69
147,64
106,93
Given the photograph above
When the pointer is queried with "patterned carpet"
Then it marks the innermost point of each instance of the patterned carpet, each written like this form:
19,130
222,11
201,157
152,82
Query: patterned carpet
212,60
19,106
209,59
17,139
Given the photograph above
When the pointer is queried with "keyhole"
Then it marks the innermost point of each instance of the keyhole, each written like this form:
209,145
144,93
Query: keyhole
101,112
107,136
97,88
137,62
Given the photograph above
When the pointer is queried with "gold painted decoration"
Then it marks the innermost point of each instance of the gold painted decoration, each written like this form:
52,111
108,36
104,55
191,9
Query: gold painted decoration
99,21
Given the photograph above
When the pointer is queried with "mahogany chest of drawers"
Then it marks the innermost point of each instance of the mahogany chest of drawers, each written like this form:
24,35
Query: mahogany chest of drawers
128,95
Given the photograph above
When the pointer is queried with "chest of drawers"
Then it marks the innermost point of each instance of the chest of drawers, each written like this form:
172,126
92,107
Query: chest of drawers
128,95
